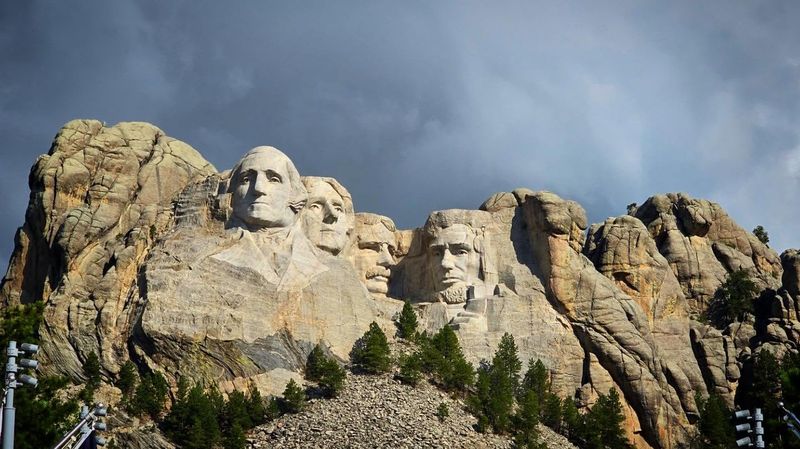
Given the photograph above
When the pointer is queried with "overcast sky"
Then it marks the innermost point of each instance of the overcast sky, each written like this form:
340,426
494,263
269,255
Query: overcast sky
419,106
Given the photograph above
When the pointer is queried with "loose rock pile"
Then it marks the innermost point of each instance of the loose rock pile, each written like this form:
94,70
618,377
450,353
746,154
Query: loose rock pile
378,412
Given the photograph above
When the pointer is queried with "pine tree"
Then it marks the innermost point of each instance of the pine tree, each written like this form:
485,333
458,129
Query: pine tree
604,423
715,430
790,389
494,400
551,411
442,356
91,370
507,358
526,420
572,420
325,371
127,379
315,364
47,414
407,323
234,412
410,367
371,353
764,391
761,234
151,393
733,299
293,398
273,409
255,406
193,421
537,378
235,439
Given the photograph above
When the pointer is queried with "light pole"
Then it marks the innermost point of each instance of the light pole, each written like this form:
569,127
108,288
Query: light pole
88,425
11,384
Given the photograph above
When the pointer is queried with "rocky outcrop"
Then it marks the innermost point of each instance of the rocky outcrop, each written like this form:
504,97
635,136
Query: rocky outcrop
98,200
702,244
141,250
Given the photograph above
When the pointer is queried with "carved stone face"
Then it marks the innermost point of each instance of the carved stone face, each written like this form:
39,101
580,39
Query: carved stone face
374,255
454,260
327,217
262,190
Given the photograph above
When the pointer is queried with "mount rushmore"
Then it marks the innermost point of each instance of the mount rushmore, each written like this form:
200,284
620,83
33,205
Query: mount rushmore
143,251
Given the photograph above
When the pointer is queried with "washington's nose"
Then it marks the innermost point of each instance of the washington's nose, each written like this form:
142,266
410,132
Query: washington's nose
260,185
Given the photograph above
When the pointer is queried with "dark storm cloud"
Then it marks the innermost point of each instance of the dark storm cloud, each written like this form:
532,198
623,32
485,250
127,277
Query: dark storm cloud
431,105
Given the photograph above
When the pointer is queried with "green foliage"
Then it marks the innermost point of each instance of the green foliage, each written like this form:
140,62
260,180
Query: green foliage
410,369
128,378
525,420
536,378
21,324
47,417
294,398
762,388
761,234
572,421
733,299
192,423
494,398
272,409
325,371
790,387
203,418
151,393
551,411
442,412
604,423
714,427
371,353
507,358
256,408
407,323
91,369
442,356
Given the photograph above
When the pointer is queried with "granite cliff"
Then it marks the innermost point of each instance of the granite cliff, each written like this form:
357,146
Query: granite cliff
143,251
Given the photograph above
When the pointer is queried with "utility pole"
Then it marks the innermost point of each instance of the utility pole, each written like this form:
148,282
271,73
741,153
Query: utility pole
11,384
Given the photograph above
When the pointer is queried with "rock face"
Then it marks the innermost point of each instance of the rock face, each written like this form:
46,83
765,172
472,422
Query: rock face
99,199
142,251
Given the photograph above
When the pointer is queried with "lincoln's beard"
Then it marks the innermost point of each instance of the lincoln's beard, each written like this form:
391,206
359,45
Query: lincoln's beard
455,294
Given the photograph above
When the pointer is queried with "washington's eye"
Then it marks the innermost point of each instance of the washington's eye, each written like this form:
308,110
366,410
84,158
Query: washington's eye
275,178
244,178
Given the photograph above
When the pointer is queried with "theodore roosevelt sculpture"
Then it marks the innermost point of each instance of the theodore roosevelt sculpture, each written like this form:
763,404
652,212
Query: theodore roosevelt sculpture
373,252
328,215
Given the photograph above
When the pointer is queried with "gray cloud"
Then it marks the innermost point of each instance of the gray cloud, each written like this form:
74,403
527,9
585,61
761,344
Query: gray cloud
424,106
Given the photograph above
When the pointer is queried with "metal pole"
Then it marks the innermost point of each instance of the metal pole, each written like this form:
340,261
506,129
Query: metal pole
758,418
8,408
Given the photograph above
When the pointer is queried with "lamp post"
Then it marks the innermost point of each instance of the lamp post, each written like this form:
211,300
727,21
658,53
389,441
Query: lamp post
12,381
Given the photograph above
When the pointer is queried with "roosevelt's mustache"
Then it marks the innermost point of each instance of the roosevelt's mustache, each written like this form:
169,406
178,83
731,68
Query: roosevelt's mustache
378,271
